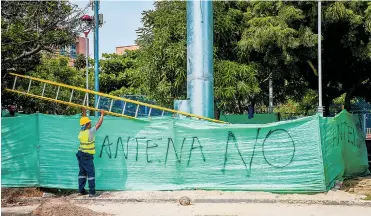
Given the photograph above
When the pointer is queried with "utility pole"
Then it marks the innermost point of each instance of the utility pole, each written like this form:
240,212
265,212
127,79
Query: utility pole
320,107
96,52
200,62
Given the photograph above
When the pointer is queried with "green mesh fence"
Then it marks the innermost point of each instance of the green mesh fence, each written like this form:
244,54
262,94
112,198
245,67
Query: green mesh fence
302,155
244,119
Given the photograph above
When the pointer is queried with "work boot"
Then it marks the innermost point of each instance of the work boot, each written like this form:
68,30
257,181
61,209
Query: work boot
83,193
93,195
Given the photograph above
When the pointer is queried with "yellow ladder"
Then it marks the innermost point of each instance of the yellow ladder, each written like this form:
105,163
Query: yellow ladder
85,103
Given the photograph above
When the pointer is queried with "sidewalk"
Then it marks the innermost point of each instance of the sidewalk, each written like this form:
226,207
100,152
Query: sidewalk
329,198
204,203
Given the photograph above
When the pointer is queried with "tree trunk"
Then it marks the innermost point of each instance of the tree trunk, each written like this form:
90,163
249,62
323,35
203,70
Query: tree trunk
348,97
216,111
217,114
326,104
347,101
241,111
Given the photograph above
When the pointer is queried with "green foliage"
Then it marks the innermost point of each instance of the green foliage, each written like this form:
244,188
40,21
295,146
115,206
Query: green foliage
80,62
277,39
163,46
368,197
120,75
58,70
303,107
235,84
253,42
281,37
347,50
228,19
163,55
29,29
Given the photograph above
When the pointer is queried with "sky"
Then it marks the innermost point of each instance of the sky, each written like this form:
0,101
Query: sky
121,19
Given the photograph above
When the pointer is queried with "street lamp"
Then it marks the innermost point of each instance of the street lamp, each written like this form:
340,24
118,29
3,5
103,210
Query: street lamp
319,24
95,22
89,20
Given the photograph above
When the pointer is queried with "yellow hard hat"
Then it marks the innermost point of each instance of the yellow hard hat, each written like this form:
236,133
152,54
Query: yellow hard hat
84,120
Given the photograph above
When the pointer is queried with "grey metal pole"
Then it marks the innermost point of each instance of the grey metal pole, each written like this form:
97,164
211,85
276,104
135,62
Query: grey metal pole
320,107
270,95
87,66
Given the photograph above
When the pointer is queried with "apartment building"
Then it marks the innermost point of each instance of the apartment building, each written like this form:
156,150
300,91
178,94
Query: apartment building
79,47
122,49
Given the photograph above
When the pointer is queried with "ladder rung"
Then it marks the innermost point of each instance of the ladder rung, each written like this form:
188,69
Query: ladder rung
29,86
83,103
149,113
87,99
110,107
97,104
42,94
136,112
71,95
56,97
15,80
123,109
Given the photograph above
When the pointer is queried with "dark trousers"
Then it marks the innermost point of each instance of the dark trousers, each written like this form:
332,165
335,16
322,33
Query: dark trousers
86,166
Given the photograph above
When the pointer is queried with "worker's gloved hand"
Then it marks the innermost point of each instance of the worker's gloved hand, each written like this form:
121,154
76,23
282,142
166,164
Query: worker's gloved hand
102,112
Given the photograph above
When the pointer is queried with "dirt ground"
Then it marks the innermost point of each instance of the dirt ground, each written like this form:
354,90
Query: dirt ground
229,209
45,202
11,196
57,204
203,209
360,185
62,207
18,196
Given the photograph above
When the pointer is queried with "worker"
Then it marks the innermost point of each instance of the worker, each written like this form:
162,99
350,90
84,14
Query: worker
85,154
12,111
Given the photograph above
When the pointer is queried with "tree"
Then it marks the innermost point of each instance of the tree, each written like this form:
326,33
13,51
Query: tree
162,59
277,37
119,74
348,64
281,37
80,62
269,40
296,108
235,85
163,52
31,28
55,69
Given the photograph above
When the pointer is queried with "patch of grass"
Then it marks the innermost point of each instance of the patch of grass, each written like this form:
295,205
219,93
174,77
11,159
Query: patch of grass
368,197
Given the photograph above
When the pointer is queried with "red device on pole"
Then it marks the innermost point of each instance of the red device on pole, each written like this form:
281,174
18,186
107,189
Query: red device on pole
87,18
